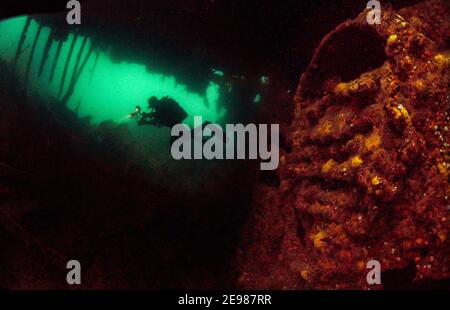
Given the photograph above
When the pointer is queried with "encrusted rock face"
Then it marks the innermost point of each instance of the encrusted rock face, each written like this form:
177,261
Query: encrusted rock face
366,176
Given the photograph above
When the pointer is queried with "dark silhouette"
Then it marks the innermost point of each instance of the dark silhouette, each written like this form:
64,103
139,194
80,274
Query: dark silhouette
44,58
58,52
78,70
66,66
30,59
21,42
163,112
97,55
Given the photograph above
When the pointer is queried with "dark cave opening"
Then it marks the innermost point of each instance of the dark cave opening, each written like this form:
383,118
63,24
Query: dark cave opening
359,49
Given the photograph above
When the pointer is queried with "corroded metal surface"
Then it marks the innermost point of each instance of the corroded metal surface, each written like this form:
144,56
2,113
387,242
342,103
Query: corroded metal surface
366,176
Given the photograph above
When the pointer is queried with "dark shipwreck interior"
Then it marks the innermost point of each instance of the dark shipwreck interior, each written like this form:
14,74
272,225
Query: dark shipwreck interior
79,185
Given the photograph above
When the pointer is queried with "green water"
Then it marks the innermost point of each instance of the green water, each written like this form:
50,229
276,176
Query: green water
111,91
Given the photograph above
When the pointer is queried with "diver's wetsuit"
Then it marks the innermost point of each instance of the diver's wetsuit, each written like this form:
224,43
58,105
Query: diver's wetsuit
165,112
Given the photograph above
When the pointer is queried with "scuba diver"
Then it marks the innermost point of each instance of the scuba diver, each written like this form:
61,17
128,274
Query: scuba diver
163,112
166,112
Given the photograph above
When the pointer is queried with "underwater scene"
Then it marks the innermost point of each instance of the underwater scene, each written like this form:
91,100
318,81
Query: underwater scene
225,145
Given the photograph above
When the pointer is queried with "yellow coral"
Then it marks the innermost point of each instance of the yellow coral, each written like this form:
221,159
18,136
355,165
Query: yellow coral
317,239
304,274
401,112
342,88
373,141
392,38
356,161
326,128
354,86
443,168
328,165
419,85
441,58
376,181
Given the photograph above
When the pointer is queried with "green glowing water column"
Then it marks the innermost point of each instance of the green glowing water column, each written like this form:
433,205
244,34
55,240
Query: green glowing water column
86,79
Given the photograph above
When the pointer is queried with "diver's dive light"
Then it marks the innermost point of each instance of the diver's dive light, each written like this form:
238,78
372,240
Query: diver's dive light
136,112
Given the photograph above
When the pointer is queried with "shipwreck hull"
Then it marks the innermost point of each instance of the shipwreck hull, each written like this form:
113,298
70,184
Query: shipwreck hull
365,176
